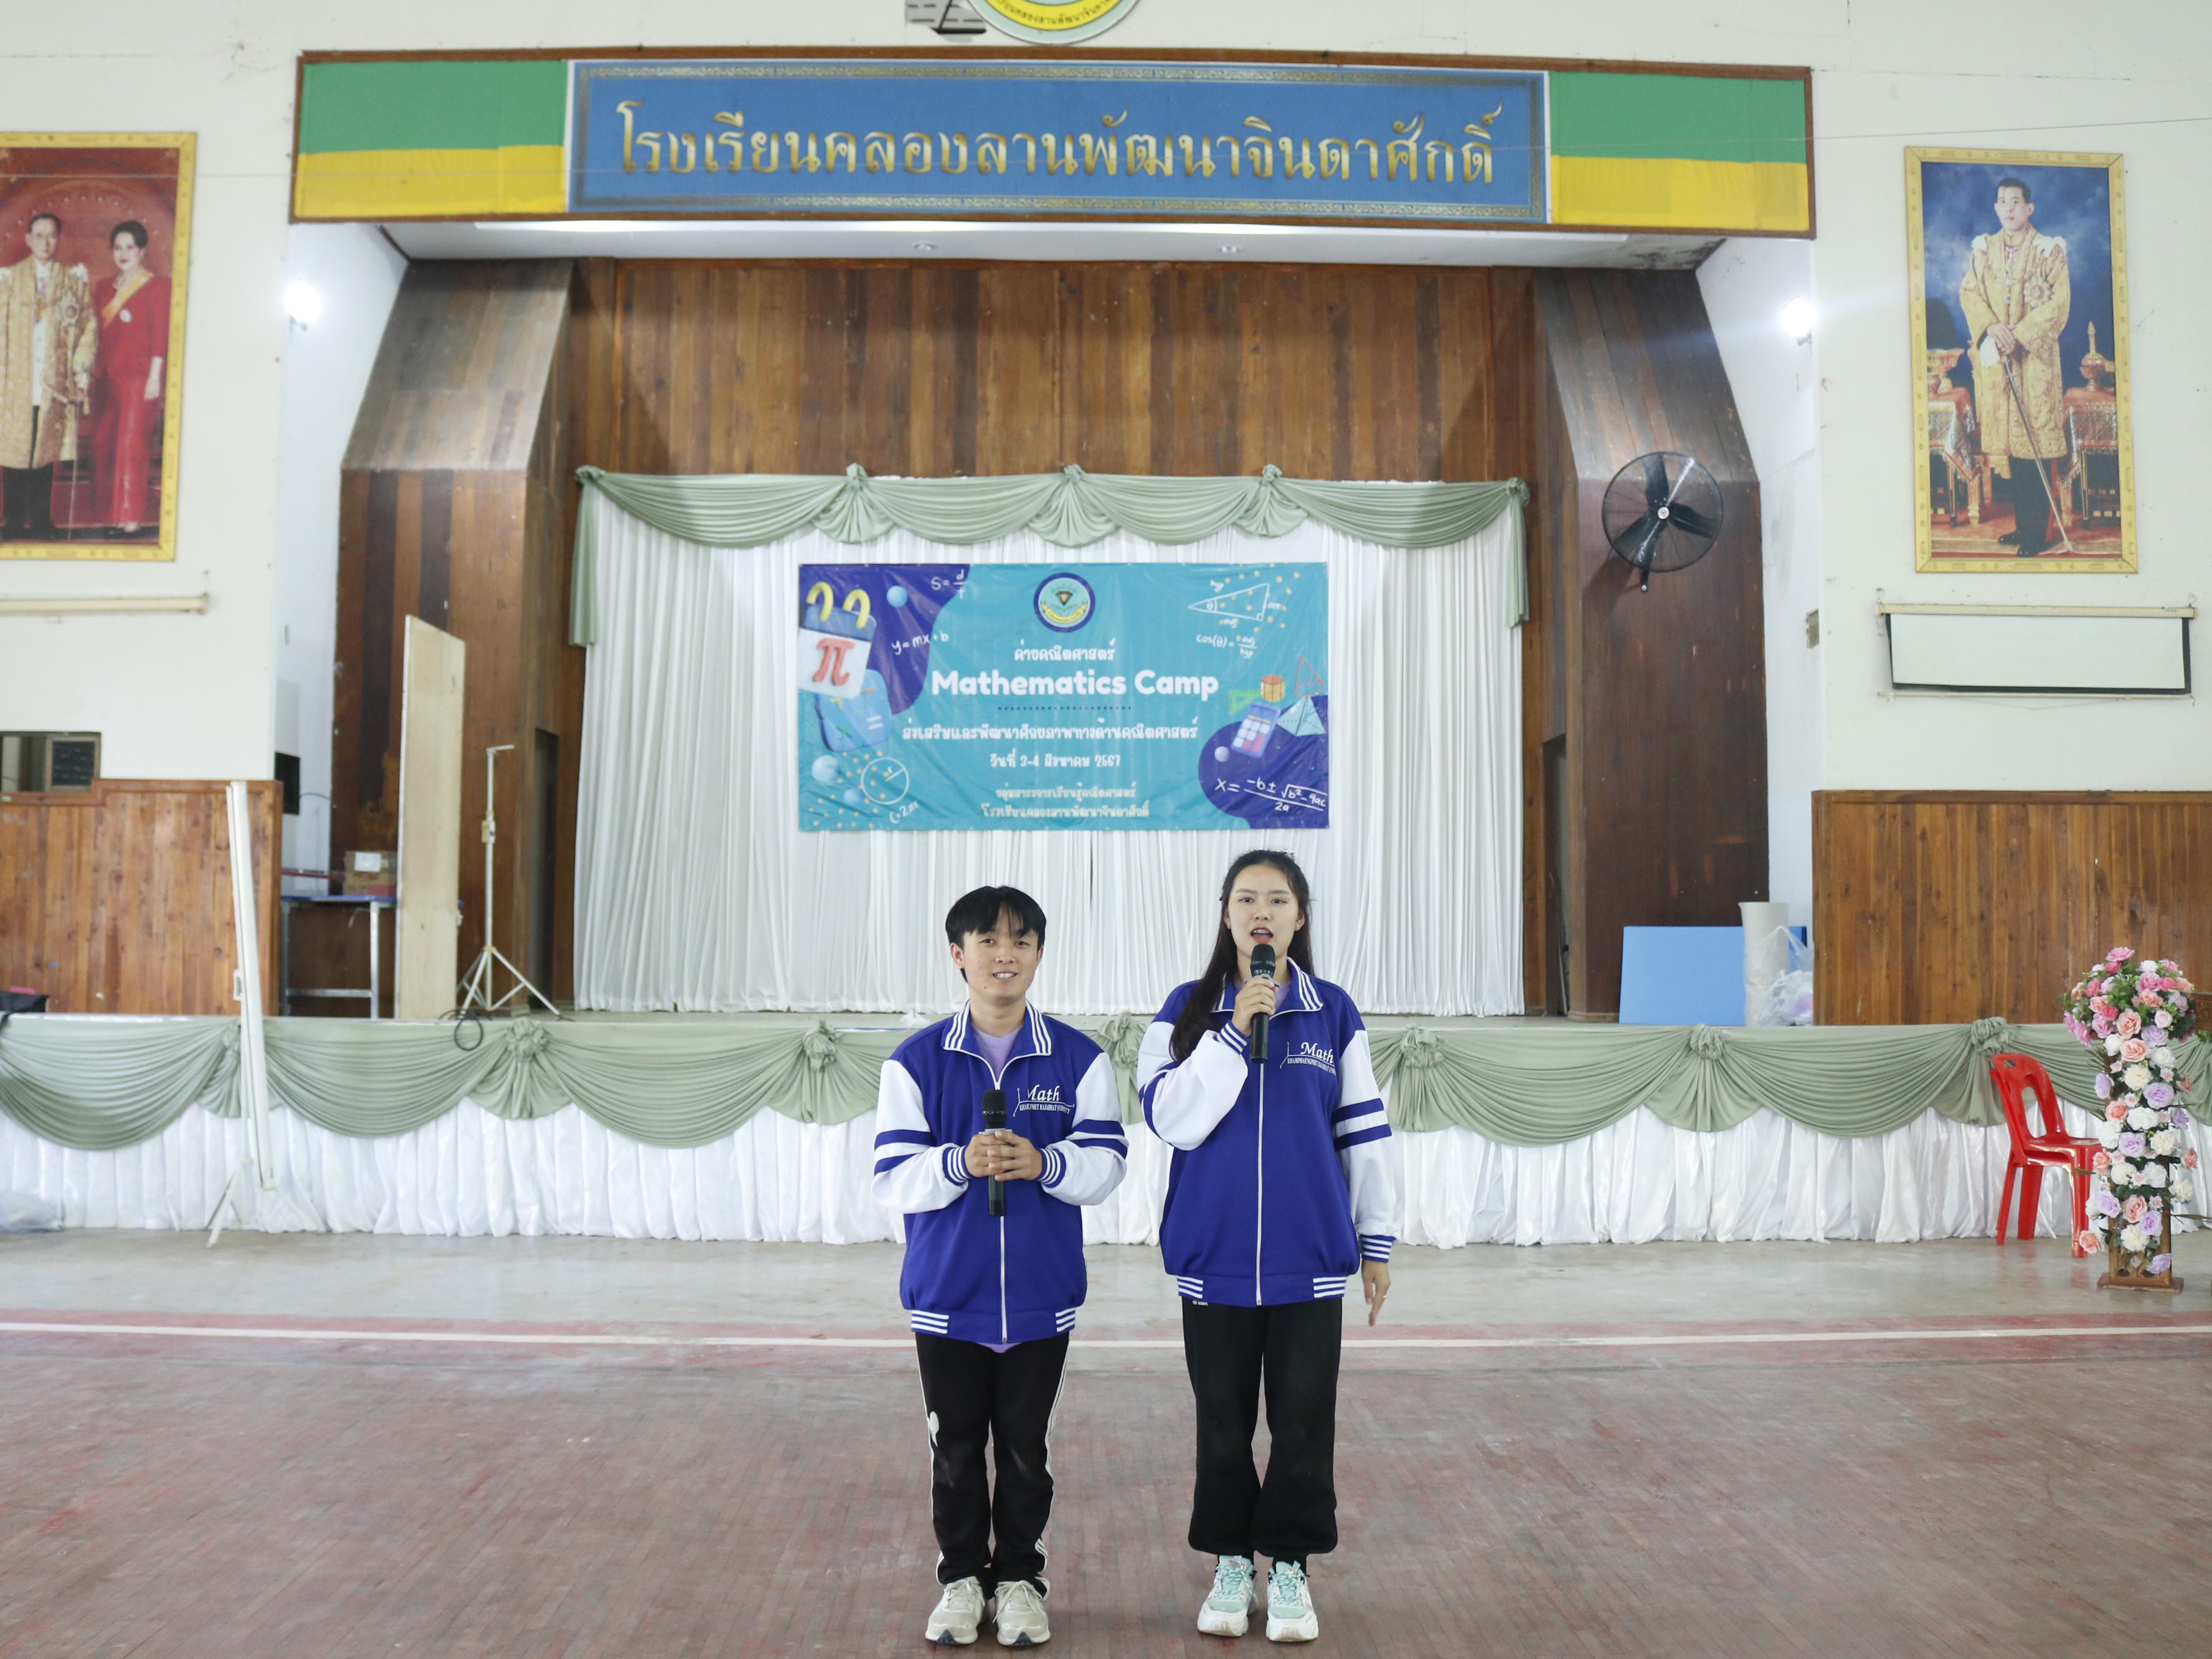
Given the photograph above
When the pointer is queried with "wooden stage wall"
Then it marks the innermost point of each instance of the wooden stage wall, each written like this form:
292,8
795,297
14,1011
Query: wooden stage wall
941,369
1931,907
117,900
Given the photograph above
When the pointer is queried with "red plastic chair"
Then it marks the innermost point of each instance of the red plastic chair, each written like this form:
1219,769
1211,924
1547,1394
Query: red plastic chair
2035,1149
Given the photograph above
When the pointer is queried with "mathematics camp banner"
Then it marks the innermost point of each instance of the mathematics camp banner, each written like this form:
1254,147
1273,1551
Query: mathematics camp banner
1063,696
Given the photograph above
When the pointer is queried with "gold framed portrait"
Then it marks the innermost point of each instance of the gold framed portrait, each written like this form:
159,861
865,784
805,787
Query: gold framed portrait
96,228
2023,455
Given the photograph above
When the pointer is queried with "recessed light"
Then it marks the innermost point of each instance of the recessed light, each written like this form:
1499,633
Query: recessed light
925,247
1229,247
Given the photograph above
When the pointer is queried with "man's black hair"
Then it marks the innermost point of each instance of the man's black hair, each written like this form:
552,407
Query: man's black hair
44,214
2020,184
979,912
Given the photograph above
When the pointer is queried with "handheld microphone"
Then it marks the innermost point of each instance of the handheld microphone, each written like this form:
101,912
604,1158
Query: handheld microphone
994,1117
1263,967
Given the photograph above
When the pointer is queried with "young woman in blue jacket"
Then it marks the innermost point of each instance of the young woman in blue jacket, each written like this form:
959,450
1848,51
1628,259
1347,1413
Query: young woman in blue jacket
1283,1188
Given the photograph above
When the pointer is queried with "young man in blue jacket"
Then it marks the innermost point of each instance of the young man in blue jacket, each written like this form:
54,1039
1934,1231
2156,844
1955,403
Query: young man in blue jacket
992,1298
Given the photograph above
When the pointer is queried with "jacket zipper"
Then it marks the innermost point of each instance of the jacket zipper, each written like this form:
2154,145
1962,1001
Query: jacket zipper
1003,1337
1260,1201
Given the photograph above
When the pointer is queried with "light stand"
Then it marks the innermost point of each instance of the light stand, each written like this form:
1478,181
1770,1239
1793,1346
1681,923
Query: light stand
476,985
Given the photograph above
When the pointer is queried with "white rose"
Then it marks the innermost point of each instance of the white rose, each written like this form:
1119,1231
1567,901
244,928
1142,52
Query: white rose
2136,1076
2122,1174
2184,1188
2162,1057
2112,1043
2165,1142
2141,1117
2108,1133
2163,1018
2132,1239
2154,1175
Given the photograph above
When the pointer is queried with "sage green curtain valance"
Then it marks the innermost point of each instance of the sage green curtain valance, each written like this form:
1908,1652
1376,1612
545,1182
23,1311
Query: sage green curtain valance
1070,508
98,1084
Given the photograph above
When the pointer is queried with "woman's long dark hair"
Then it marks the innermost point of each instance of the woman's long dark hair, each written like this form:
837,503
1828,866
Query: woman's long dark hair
1197,1017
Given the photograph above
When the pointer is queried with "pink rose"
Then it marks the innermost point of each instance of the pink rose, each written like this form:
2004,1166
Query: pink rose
2135,1210
2189,1158
2134,1049
2087,1242
2116,1110
2130,1023
2102,1161
2118,953
2151,1000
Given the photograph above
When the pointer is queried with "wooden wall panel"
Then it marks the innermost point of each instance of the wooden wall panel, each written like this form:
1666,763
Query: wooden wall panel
117,900
1939,907
938,370
1665,689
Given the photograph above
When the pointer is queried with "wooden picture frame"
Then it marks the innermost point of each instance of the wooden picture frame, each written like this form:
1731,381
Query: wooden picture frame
2061,393
109,490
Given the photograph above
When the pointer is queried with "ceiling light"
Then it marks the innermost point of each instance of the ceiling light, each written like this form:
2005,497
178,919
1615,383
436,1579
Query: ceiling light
1798,319
303,303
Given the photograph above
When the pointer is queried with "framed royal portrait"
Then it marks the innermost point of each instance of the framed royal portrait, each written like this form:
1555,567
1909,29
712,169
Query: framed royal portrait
2022,451
94,232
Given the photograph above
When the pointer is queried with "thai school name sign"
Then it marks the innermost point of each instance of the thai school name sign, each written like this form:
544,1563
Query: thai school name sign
981,137
1441,142
1063,696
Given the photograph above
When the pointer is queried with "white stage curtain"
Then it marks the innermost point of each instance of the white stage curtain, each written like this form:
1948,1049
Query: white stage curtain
469,1174
697,890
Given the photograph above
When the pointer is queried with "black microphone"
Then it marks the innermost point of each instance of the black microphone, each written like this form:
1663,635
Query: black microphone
1263,967
994,1117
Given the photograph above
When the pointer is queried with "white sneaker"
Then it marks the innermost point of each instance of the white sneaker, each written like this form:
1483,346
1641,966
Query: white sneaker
1021,1622
958,1612
1229,1607
1290,1615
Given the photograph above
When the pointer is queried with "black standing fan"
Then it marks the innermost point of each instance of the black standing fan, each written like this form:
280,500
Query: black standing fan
1662,512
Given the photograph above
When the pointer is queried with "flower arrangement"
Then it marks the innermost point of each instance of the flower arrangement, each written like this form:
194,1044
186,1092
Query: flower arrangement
2134,1016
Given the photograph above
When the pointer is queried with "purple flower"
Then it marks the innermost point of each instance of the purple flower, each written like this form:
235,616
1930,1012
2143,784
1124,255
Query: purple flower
2159,1095
2159,1264
2131,1144
2105,1203
2103,1086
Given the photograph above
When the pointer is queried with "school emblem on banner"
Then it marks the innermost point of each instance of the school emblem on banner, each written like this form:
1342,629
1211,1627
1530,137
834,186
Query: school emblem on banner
1053,22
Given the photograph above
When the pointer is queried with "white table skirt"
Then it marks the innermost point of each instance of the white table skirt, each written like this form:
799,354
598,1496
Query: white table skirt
469,1174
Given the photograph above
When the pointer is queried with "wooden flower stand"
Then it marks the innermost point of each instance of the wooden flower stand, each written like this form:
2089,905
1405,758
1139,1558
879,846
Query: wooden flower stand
2117,1277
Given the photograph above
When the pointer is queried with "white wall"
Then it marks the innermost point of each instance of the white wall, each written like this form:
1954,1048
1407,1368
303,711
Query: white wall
327,366
1776,382
195,696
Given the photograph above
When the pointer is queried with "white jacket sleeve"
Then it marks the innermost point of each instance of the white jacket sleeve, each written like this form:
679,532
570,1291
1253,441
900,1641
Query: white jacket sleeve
1184,1103
1088,1162
914,1172
1363,1145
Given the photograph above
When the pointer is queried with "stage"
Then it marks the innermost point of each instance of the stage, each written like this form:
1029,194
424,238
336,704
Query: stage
587,1447
761,1127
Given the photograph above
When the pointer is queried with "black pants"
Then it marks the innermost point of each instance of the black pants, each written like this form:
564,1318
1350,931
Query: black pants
1291,1352
30,503
2031,507
974,1394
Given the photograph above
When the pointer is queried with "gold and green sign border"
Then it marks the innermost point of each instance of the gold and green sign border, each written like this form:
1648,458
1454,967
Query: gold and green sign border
1636,149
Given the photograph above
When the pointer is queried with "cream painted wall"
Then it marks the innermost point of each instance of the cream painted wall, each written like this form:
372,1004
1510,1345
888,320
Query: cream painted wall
195,696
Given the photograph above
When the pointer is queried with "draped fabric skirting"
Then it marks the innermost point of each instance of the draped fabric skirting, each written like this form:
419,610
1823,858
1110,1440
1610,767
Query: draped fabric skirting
469,1173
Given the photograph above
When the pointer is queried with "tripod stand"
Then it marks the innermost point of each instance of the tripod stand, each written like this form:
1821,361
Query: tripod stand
477,984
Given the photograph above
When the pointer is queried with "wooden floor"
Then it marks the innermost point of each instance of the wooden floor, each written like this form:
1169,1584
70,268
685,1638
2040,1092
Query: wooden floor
425,1489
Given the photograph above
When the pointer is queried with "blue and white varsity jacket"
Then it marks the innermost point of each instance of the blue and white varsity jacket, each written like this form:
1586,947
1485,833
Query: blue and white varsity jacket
1018,1277
1283,1180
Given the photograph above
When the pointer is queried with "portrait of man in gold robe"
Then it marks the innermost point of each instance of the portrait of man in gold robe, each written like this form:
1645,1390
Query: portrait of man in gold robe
48,336
2018,267
2017,295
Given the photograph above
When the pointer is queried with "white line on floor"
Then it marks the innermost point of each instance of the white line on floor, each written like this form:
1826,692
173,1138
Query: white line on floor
599,1340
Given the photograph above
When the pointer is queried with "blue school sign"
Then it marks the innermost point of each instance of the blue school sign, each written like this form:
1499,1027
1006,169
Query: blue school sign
1063,696
871,137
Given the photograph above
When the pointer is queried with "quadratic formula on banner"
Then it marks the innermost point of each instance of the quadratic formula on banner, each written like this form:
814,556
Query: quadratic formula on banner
1070,696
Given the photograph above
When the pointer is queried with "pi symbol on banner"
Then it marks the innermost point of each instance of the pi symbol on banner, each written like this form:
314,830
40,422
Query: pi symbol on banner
834,642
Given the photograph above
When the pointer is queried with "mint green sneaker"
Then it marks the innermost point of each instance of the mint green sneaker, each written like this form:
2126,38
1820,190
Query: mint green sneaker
1290,1615
1229,1606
